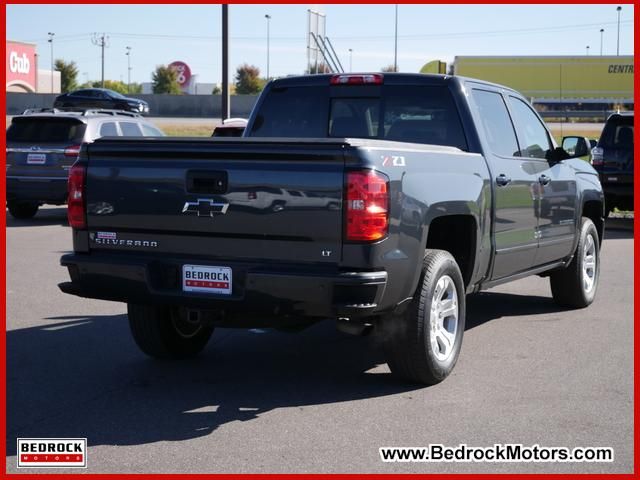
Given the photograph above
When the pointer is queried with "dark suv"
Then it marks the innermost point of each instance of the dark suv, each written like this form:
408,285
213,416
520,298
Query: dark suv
613,159
43,144
100,98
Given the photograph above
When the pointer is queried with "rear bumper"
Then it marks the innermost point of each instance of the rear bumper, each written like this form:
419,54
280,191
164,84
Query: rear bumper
268,291
37,189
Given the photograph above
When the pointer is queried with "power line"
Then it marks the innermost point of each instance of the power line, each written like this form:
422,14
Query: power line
159,36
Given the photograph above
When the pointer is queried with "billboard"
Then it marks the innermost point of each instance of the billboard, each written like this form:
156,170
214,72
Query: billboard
20,67
579,77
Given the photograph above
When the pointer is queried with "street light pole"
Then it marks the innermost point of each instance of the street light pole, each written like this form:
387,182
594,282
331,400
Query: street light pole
51,34
128,69
225,63
395,48
618,47
351,59
601,39
268,17
587,50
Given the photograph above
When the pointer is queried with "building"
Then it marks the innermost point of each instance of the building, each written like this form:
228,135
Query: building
22,73
555,82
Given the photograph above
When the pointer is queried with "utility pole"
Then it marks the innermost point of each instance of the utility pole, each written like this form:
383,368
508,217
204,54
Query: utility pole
601,39
226,110
51,34
128,69
587,50
618,47
395,50
101,41
268,17
351,59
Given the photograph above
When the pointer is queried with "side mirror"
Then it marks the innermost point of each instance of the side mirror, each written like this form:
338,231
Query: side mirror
576,146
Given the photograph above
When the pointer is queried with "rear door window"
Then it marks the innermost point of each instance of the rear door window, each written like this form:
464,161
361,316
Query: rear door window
45,130
109,129
130,129
496,123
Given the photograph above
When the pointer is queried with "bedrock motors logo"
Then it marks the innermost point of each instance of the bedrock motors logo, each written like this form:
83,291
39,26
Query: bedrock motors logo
52,452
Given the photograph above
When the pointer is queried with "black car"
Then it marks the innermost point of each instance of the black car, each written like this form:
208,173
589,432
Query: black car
613,159
100,98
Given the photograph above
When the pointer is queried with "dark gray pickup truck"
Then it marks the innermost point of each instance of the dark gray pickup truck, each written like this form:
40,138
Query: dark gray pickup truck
375,200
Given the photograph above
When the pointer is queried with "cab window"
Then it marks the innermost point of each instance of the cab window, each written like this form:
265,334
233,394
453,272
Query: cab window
496,123
532,135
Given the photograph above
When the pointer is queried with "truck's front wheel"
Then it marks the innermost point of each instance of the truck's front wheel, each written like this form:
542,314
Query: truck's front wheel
424,343
165,332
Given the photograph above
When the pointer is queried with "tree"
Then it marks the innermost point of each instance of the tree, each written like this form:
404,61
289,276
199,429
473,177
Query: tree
248,81
165,80
68,75
389,69
216,90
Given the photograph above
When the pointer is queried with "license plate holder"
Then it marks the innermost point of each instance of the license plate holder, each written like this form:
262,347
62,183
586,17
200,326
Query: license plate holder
207,279
36,158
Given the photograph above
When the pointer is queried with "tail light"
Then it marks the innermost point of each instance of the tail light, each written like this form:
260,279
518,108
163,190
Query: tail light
367,206
597,156
72,151
76,197
359,79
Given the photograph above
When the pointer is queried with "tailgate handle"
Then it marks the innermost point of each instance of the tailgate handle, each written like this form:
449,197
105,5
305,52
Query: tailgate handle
207,182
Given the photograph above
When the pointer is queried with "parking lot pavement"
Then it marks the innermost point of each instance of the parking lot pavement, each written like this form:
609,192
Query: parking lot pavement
318,401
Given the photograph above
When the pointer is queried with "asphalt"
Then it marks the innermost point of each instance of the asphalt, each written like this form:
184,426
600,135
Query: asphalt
317,401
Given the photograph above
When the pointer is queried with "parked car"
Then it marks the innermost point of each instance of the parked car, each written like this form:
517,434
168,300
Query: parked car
613,159
100,98
231,127
470,163
43,144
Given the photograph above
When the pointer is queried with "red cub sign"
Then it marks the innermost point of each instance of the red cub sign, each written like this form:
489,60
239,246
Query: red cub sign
21,65
52,452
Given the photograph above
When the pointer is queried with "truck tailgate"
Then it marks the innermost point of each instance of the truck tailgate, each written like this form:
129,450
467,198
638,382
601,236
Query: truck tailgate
278,199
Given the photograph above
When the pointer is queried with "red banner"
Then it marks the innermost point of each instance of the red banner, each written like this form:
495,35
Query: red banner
21,65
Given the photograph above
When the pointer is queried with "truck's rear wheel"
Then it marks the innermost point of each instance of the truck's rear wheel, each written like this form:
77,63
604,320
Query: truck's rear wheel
423,344
22,210
576,285
166,332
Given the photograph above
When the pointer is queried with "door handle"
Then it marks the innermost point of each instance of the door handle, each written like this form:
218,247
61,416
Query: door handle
502,180
544,180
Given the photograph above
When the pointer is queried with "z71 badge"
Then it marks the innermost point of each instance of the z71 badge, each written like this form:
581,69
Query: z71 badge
393,161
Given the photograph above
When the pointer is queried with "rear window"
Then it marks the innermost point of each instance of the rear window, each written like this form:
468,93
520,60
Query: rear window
45,129
130,129
413,114
618,133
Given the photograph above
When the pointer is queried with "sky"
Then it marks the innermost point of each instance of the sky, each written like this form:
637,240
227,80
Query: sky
161,34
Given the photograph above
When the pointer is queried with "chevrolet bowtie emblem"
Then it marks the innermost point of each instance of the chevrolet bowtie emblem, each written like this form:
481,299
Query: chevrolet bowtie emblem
205,207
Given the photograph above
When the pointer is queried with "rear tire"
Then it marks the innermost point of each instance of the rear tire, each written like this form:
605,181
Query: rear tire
22,210
163,332
423,344
576,285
